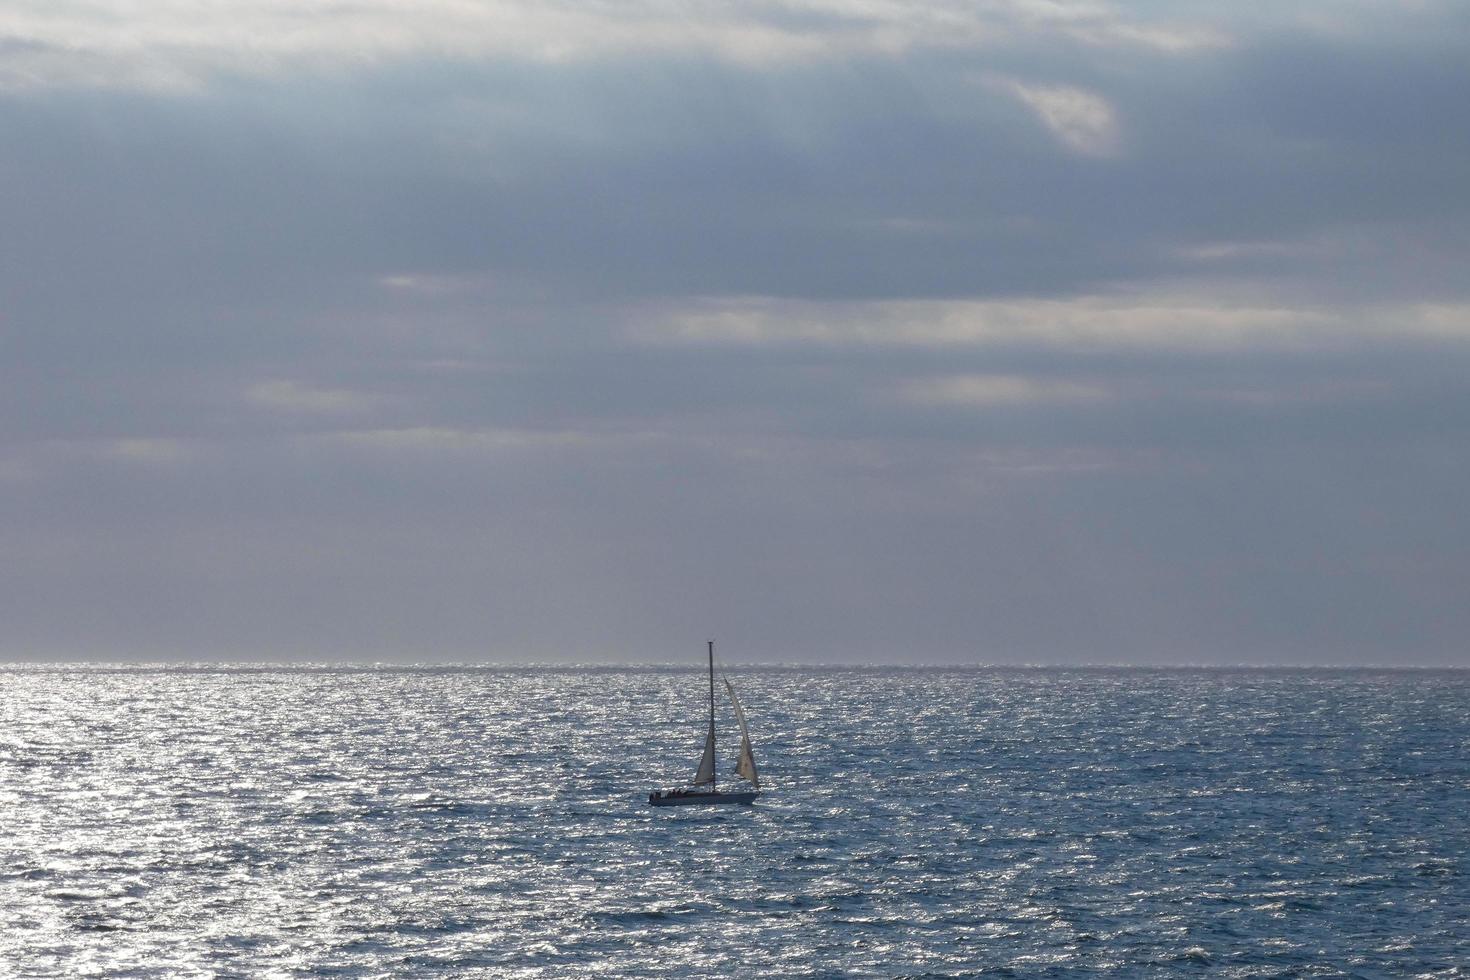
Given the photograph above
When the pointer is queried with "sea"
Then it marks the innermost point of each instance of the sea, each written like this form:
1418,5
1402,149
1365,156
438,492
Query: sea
320,821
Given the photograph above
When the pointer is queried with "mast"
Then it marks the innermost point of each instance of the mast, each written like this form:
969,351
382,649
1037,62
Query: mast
714,778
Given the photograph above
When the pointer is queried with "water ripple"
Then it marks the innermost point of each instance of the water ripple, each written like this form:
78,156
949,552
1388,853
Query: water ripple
924,823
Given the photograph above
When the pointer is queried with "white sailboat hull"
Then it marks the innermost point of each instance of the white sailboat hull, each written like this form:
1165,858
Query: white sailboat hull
699,798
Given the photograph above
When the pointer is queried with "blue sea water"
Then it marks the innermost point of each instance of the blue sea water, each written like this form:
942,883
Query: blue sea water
461,822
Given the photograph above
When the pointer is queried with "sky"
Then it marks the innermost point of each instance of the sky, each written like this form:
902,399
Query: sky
995,331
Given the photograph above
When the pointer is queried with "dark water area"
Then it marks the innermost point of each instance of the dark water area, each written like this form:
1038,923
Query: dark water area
451,822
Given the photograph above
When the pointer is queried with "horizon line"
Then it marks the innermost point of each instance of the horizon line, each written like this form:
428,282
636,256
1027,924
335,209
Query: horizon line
522,665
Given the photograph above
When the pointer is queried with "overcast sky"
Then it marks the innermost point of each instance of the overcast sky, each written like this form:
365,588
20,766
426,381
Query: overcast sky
992,331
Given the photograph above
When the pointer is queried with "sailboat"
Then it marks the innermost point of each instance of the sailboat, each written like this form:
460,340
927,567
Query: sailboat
705,787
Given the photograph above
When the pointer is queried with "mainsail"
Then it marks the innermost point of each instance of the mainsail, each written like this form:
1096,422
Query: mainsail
706,773
746,765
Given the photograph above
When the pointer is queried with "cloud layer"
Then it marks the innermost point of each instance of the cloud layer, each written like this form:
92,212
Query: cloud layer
1005,331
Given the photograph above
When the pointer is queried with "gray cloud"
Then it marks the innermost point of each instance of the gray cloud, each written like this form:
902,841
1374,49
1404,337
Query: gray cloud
1003,332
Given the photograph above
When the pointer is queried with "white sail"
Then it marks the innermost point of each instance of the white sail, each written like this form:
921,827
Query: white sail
746,765
706,773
